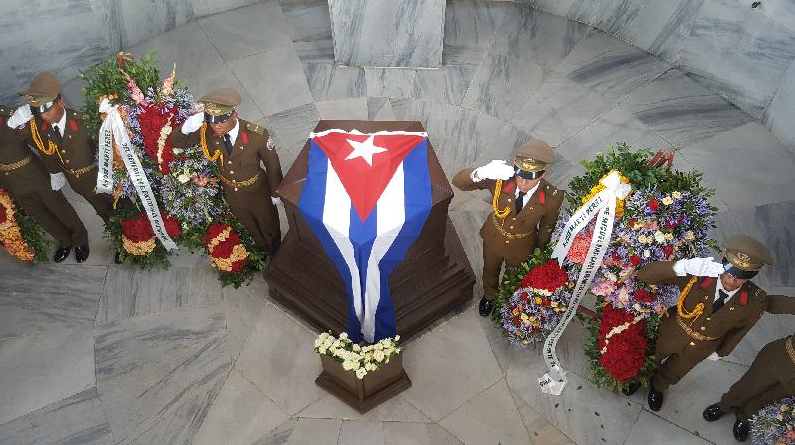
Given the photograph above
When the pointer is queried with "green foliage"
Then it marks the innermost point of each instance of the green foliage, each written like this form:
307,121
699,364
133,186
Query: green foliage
33,235
106,79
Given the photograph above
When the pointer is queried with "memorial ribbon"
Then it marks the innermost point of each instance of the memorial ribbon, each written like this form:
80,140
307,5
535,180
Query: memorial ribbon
603,208
113,128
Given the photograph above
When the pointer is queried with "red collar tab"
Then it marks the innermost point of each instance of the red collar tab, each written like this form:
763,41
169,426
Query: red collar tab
707,282
244,137
73,124
509,188
542,198
743,298
43,125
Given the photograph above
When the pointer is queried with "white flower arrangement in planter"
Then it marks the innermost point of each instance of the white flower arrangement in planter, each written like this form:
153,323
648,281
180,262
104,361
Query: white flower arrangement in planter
360,360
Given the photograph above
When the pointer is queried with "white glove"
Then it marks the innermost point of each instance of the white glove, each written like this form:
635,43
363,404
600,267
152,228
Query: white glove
193,123
20,117
276,200
494,170
57,181
700,267
714,357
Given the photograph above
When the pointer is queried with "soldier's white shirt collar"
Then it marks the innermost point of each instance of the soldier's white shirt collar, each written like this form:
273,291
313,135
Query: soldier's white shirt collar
62,123
528,195
234,132
719,287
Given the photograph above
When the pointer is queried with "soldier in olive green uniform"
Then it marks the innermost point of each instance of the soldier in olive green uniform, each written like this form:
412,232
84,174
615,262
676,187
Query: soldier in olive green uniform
61,137
23,176
719,307
525,211
771,377
238,147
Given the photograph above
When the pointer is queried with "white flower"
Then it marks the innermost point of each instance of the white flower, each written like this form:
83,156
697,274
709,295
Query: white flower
176,151
348,366
379,356
667,200
370,366
322,350
690,236
659,237
360,373
646,253
183,178
676,195
357,348
397,338
343,336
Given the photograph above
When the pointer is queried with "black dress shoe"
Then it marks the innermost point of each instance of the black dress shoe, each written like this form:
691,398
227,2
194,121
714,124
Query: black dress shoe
630,389
117,258
655,398
741,430
61,254
713,413
485,307
81,253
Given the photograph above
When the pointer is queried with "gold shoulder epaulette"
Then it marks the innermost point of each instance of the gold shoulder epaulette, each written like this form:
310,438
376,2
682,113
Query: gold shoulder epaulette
259,129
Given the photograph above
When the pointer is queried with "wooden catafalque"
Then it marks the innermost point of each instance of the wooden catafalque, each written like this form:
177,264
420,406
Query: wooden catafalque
434,278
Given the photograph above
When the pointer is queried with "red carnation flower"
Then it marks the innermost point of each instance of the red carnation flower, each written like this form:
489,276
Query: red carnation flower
516,321
548,276
670,224
668,250
173,227
635,260
653,205
643,296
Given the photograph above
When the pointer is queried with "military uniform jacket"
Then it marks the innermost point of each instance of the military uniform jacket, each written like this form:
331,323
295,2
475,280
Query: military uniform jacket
77,152
712,332
243,164
516,234
14,176
783,367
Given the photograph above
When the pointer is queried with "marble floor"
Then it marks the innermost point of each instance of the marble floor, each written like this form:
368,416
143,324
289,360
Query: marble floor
103,354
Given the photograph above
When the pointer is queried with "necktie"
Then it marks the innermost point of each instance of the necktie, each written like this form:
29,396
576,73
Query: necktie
520,202
722,297
228,143
58,135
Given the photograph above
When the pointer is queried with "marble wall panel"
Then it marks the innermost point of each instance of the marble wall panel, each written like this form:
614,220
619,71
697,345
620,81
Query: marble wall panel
468,29
388,33
780,112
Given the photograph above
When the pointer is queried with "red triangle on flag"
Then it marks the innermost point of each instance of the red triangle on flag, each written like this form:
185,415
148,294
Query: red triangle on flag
364,182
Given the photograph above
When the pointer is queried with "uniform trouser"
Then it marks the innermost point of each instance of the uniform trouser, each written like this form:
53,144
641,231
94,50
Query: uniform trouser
492,265
85,186
55,215
758,386
258,214
681,356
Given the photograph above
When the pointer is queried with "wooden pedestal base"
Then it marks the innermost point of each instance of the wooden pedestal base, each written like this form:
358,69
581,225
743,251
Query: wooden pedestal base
367,393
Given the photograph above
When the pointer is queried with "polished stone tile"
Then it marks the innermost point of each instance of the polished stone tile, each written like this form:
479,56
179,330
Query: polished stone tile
291,130
137,21
562,171
447,84
208,7
558,109
282,88
725,51
396,409
468,29
389,82
585,413
617,125
441,353
246,31
304,431
182,424
502,84
131,291
404,33
683,111
380,109
361,433
701,387
400,106
725,158
49,297
652,430
778,113
662,27
77,419
188,46
147,367
610,67
396,433
489,417
223,77
310,28
328,81
540,431
771,224
38,370
242,308
283,370
240,414
345,109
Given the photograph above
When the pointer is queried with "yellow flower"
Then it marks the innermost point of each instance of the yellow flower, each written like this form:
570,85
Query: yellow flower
554,304
669,236
667,200
676,195
659,236
538,300
690,236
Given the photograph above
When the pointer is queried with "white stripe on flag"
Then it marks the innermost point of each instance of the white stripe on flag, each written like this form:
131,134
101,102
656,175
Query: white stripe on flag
391,215
337,219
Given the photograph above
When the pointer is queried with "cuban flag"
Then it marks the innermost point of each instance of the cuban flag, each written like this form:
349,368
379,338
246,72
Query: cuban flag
367,197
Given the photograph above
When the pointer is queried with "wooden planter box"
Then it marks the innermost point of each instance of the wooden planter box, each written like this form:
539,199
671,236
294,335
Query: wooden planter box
363,394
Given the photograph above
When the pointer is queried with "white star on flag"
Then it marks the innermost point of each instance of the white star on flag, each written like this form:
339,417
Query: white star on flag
364,150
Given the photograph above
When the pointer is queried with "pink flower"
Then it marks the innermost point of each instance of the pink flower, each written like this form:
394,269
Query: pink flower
579,248
168,84
652,225
623,296
659,309
604,288
135,93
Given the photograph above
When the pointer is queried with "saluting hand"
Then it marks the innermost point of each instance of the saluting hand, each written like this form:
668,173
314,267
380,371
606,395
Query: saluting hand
493,170
699,267
20,117
192,123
